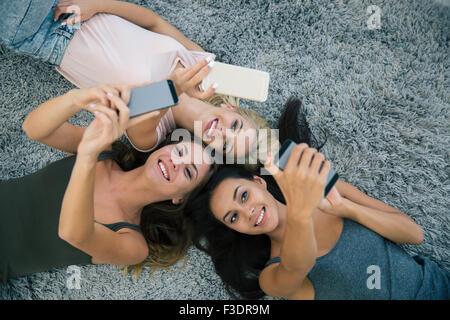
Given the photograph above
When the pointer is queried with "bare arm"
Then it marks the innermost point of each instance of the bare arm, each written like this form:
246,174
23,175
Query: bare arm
136,14
76,223
77,226
302,186
298,256
387,221
48,124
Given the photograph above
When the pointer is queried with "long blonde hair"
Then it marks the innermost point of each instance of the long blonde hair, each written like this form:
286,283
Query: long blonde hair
266,138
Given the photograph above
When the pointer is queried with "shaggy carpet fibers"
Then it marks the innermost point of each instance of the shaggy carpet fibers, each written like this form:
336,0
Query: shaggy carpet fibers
380,95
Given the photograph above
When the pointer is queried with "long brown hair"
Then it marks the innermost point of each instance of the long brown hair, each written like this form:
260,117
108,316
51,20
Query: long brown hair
163,224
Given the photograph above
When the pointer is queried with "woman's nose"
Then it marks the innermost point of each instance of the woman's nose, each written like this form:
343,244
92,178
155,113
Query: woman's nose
175,165
251,212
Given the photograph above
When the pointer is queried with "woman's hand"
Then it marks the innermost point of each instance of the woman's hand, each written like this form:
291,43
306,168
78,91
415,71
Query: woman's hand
111,121
81,10
333,203
188,80
86,98
301,182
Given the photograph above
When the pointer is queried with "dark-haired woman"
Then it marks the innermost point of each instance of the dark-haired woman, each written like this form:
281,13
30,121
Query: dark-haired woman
284,239
97,206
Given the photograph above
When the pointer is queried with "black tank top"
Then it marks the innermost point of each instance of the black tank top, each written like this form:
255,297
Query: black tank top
30,207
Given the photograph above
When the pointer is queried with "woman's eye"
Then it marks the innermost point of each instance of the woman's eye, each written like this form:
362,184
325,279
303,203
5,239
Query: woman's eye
233,218
244,196
188,172
234,125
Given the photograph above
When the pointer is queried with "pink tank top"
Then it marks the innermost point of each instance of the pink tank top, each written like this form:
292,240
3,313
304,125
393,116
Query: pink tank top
108,49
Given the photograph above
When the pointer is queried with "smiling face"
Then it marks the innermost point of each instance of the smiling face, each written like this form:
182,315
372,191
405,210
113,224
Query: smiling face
245,206
226,130
178,169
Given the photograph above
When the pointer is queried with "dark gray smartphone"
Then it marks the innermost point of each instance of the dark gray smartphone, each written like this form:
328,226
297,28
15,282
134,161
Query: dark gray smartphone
282,158
151,97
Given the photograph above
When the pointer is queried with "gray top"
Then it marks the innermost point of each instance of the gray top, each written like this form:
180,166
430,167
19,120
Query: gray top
364,265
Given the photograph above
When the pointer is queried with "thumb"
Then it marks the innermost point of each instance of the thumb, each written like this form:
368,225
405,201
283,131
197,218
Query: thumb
270,166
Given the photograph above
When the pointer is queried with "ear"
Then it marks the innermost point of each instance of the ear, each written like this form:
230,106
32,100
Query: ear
177,201
260,180
228,106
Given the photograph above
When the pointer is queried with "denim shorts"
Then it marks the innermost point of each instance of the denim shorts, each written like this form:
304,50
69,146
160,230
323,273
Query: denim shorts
28,27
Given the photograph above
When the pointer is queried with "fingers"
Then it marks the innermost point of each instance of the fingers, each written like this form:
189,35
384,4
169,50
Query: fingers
198,77
111,114
124,111
102,117
203,95
74,19
65,7
316,162
270,165
58,11
125,93
294,158
185,80
323,175
193,70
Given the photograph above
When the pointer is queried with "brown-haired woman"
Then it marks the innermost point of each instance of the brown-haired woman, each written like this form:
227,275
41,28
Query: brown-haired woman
86,208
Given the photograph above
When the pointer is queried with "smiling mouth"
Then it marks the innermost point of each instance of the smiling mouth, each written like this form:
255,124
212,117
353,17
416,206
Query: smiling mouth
261,217
164,170
210,127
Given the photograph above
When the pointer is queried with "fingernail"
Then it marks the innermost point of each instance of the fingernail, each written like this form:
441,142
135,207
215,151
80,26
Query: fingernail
211,64
109,94
64,23
215,85
208,59
91,105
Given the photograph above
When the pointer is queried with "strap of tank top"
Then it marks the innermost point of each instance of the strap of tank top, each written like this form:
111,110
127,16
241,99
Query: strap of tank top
120,225
109,154
273,260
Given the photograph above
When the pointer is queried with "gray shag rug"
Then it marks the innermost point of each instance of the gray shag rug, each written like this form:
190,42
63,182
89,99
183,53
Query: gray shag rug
381,96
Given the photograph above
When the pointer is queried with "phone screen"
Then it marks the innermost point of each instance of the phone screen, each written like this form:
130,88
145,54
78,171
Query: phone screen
282,158
152,97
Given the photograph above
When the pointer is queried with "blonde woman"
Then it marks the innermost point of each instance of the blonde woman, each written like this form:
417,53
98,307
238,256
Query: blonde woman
105,41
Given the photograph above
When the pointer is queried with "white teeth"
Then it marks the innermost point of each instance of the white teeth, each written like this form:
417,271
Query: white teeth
163,169
261,216
213,126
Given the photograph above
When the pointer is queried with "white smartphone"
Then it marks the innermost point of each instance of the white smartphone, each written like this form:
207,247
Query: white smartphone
238,82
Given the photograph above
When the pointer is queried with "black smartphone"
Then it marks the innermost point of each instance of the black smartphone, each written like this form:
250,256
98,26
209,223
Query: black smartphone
282,158
151,97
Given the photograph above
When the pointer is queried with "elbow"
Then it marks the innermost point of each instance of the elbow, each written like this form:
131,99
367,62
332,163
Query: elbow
28,129
418,236
415,237
70,236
